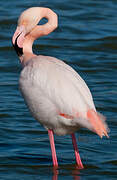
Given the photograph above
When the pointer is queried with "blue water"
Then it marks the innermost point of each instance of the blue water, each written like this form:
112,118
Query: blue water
86,39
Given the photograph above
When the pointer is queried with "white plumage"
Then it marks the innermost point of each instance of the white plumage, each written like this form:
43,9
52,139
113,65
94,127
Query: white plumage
50,87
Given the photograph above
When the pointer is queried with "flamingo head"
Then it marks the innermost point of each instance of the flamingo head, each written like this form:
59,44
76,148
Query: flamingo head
26,23
28,28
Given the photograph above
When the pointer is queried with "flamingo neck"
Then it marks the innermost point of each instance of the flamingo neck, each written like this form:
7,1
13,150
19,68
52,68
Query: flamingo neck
27,50
38,31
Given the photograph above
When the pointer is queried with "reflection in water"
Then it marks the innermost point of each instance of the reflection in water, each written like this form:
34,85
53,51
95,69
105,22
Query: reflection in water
75,173
55,174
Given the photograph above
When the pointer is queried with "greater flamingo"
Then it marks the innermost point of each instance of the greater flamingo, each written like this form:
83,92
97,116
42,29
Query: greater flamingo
54,93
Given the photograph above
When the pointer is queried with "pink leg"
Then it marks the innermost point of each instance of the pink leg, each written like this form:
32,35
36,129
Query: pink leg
78,160
54,158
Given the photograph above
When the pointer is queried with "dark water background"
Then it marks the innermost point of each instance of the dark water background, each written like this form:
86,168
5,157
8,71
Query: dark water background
87,40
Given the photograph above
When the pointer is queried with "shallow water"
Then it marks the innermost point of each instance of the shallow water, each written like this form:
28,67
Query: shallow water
86,39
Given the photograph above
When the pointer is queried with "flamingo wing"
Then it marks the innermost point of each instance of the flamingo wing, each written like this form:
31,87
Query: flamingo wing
57,90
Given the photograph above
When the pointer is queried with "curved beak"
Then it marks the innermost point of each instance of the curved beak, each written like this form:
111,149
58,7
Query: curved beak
18,40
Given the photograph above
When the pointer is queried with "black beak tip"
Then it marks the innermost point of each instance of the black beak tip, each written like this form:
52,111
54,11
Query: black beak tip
18,50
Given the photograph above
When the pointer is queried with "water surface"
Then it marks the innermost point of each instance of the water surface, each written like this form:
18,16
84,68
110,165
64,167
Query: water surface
86,39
